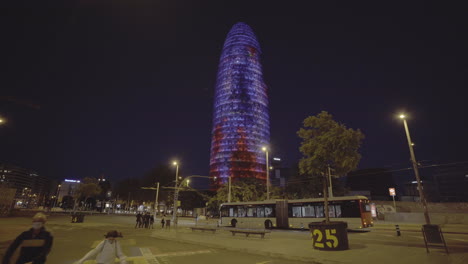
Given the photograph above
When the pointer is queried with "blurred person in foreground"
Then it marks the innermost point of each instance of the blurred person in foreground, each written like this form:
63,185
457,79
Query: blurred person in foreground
107,250
31,246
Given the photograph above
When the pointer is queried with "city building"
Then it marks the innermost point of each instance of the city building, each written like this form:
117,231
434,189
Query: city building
66,190
32,189
241,123
440,182
278,173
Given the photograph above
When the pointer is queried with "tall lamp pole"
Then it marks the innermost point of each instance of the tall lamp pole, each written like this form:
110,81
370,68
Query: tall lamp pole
229,193
330,186
176,194
156,202
56,195
265,149
416,171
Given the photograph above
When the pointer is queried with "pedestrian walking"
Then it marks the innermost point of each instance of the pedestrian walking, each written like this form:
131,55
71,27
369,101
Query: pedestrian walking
107,250
162,222
146,220
138,220
31,246
151,221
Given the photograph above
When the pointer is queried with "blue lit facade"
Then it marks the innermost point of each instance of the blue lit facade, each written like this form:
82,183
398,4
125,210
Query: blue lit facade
241,123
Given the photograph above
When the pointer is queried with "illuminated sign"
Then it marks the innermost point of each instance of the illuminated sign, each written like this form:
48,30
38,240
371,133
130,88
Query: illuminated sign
392,191
278,159
67,180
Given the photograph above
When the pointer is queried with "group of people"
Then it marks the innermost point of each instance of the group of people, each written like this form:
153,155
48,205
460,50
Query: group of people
145,220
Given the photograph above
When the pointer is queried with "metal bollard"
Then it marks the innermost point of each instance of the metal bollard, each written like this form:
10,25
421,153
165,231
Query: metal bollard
398,233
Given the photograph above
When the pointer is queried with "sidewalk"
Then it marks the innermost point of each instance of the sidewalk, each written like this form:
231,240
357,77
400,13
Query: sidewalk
414,227
297,245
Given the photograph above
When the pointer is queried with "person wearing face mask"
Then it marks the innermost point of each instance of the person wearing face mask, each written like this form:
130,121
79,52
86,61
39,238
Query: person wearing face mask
107,250
31,246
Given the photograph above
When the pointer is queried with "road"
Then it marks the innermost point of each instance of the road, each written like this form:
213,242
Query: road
142,246
72,241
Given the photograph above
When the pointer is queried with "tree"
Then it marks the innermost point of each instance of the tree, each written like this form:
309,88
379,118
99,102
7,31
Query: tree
191,199
328,144
89,187
242,190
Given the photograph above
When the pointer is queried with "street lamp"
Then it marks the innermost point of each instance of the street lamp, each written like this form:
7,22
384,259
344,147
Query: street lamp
176,194
265,149
416,171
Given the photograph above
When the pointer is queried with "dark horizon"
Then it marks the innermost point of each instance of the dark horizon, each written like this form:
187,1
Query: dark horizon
119,90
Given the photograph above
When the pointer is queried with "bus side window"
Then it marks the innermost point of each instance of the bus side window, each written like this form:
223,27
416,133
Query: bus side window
269,211
231,211
260,212
250,211
242,211
296,211
350,209
224,211
337,210
319,211
331,210
308,210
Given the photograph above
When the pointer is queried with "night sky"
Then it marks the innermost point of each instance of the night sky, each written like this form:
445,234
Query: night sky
121,87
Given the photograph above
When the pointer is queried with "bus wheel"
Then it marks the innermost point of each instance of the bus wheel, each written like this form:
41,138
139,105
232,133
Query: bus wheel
268,224
233,222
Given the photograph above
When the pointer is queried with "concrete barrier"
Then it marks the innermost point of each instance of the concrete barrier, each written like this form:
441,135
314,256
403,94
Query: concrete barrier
436,218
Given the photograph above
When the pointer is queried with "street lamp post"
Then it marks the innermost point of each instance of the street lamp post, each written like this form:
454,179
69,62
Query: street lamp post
178,187
156,202
265,149
56,195
330,187
229,187
416,171
176,194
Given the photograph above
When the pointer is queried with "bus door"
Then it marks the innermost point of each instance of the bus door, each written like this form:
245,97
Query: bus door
282,220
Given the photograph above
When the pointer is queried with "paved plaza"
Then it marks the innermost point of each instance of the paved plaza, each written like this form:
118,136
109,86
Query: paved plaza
182,245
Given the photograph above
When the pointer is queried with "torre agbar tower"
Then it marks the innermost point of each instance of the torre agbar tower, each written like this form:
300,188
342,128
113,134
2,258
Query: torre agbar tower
241,123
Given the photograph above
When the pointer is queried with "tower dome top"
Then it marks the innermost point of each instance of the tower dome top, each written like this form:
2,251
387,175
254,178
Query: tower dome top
241,34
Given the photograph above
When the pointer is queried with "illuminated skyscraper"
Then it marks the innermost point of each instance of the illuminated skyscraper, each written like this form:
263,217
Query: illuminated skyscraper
241,123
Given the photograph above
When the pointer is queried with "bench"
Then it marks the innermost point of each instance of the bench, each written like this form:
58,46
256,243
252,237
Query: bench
203,229
250,232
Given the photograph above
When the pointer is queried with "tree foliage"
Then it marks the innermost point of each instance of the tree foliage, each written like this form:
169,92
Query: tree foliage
301,186
165,175
89,187
326,142
242,190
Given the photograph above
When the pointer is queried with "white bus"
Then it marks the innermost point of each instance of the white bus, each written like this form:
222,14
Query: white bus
355,210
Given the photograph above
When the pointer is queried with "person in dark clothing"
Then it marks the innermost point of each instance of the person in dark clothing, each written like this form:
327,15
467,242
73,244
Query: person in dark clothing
138,220
151,221
31,246
146,218
162,222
